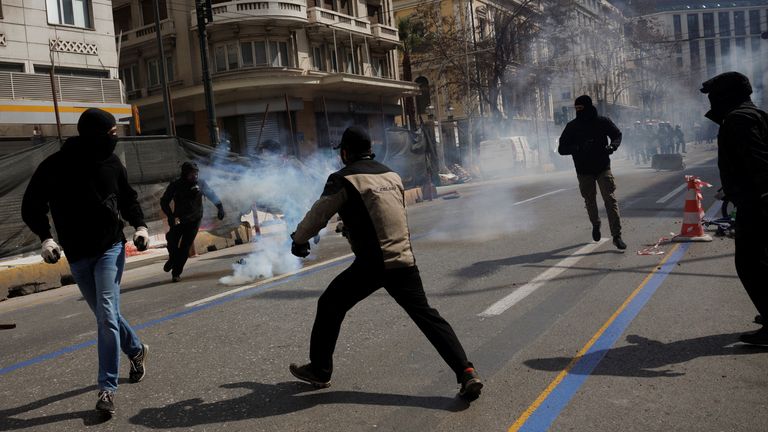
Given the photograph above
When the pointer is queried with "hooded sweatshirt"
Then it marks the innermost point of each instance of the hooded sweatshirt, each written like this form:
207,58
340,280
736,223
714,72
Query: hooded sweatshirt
85,187
586,139
187,197
742,142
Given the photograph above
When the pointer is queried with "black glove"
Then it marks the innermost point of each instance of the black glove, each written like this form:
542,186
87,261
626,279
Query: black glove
171,220
610,148
300,250
220,214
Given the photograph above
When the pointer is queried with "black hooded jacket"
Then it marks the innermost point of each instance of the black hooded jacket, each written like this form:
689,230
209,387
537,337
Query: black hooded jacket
85,188
742,142
742,154
586,139
187,197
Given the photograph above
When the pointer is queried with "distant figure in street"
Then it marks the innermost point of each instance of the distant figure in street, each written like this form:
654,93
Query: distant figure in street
187,193
370,199
742,151
586,139
679,140
85,187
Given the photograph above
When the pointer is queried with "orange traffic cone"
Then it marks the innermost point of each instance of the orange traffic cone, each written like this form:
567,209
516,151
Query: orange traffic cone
693,213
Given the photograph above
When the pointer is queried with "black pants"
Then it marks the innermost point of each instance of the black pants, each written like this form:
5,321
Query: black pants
404,285
752,254
179,239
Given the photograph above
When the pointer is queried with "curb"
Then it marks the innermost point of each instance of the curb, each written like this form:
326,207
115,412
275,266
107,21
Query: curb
37,277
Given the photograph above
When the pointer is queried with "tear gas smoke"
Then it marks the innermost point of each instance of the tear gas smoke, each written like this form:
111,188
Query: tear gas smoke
277,184
483,214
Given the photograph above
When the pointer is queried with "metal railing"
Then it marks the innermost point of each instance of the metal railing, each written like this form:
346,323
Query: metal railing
244,10
146,33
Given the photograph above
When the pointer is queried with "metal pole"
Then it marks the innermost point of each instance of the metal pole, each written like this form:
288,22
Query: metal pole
55,100
263,122
213,127
290,125
327,123
163,66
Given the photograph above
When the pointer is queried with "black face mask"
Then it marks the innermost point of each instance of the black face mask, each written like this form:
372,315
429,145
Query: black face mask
99,147
588,113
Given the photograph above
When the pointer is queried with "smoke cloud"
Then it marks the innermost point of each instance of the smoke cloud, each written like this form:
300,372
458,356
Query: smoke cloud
276,184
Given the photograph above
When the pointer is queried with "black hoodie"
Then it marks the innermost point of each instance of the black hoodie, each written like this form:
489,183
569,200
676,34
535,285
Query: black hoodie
742,142
586,139
87,193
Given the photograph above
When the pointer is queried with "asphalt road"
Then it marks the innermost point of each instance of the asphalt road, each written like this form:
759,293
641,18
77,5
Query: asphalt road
569,335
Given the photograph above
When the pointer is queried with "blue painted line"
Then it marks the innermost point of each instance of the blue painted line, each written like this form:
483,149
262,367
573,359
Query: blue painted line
541,419
246,293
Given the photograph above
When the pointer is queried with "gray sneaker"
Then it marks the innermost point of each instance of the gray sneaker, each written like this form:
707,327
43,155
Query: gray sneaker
106,403
138,366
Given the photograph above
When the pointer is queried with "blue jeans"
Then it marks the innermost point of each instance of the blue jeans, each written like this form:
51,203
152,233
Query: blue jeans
99,281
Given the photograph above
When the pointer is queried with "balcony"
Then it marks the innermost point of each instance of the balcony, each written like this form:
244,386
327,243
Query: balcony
386,33
24,86
339,21
294,11
146,34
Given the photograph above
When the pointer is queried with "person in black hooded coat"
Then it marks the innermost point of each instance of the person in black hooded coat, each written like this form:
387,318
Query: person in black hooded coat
742,153
184,218
585,138
85,188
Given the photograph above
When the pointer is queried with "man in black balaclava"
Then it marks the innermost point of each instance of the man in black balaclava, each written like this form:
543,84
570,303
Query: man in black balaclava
742,151
187,193
586,139
85,187
370,200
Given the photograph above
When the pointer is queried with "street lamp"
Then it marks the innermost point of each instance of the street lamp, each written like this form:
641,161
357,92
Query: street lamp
430,111
450,112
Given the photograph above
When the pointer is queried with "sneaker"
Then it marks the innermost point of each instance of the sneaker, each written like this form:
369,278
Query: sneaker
138,368
106,403
470,384
619,243
168,266
596,233
758,319
176,279
305,373
759,338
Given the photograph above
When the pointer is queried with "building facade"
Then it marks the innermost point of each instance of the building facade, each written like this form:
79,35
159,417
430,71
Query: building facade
295,71
76,39
594,61
714,37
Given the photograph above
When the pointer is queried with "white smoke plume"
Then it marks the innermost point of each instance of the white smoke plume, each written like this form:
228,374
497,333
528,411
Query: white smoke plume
276,184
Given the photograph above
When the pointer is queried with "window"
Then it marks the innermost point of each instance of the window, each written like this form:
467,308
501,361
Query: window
244,54
379,64
678,27
739,23
148,11
70,12
695,55
693,26
68,71
11,67
130,77
725,23
278,54
153,71
709,24
725,53
123,19
754,22
318,58
709,52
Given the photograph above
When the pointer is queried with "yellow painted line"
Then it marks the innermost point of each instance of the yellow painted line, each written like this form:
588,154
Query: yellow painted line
543,396
64,109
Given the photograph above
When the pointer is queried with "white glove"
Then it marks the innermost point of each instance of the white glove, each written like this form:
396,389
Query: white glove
141,238
51,251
